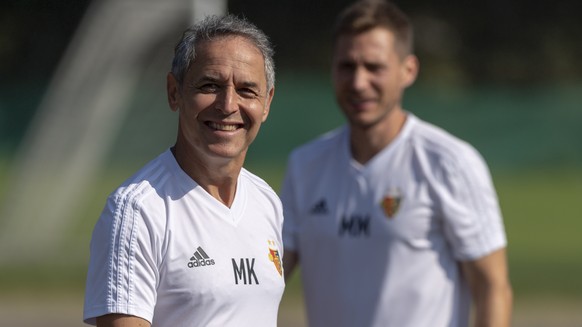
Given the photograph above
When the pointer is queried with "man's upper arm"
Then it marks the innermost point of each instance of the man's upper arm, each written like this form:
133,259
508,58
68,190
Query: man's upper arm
290,260
490,287
490,270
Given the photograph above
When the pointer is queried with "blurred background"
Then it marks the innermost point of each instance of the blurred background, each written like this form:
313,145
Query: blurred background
83,106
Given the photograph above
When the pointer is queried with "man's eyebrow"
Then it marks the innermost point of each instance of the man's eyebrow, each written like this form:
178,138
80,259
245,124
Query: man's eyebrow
216,79
249,84
208,78
346,61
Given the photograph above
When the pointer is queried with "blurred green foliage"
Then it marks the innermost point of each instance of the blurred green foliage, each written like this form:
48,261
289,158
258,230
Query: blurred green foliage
462,44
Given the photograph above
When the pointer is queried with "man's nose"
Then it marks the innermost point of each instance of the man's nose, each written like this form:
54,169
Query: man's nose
359,79
227,100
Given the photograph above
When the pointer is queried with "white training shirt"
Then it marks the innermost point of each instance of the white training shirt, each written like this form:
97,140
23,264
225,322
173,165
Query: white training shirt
167,251
379,244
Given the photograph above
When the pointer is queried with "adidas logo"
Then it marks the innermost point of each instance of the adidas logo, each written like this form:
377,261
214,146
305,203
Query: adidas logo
200,259
320,207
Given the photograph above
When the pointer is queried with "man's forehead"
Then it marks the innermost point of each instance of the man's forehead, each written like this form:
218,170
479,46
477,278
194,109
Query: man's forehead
239,54
371,46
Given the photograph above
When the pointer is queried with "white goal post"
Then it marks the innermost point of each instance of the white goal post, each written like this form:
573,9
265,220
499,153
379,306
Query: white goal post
80,116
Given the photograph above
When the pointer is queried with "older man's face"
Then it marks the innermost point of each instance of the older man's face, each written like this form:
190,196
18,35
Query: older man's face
223,99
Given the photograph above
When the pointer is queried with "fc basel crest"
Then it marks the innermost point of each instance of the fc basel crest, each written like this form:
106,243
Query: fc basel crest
391,202
274,257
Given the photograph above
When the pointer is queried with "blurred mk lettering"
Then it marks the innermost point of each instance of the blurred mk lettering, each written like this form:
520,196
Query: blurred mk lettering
355,226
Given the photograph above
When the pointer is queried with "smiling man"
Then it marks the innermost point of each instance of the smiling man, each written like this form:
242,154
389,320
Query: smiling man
393,221
194,239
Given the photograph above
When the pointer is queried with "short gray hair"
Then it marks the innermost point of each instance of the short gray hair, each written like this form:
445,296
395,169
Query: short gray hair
219,26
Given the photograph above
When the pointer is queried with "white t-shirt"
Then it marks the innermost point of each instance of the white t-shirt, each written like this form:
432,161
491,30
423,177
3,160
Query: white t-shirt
379,244
166,251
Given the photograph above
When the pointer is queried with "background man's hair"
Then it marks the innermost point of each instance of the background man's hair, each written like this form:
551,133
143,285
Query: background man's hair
364,15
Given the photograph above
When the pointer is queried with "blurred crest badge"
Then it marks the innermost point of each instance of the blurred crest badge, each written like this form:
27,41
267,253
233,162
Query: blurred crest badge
274,257
391,202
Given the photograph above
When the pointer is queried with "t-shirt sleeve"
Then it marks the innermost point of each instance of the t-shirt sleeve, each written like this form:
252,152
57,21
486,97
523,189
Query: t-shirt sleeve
472,218
122,275
288,198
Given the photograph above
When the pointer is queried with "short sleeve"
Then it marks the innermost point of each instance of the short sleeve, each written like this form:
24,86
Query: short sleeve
122,272
288,198
472,217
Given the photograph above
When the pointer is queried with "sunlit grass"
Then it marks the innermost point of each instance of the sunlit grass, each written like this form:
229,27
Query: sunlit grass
542,211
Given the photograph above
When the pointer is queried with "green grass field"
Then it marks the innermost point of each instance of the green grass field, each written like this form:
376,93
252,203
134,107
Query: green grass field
542,210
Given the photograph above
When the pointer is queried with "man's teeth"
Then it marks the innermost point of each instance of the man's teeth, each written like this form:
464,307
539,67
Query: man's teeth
223,127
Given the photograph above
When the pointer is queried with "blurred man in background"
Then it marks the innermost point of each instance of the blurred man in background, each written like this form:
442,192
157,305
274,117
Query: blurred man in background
194,239
394,221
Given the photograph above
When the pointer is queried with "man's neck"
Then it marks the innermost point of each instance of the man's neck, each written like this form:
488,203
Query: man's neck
365,143
217,177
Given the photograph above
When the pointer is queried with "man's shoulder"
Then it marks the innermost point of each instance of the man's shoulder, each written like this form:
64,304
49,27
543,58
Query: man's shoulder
443,148
320,146
257,182
152,178
438,141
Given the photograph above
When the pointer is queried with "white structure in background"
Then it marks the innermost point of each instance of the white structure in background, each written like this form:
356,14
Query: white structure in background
80,116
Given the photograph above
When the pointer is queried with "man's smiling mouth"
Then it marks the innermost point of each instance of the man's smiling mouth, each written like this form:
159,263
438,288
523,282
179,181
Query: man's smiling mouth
360,101
223,127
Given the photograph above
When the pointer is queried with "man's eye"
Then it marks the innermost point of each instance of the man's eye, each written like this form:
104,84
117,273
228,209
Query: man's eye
247,93
374,67
208,88
346,67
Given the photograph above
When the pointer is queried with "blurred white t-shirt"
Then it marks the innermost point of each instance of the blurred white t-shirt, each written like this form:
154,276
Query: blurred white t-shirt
379,244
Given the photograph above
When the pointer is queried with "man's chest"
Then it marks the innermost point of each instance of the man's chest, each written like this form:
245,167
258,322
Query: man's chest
393,205
209,260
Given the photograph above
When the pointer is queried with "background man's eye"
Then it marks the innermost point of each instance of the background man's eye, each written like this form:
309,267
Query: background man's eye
346,65
375,68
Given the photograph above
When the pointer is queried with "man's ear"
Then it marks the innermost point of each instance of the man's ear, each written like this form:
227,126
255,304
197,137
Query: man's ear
410,70
173,90
268,104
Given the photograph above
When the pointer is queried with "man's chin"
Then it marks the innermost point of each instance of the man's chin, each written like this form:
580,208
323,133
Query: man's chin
225,152
361,119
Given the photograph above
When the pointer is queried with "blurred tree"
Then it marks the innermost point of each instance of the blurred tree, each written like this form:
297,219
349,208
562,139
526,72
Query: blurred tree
514,42
462,43
489,41
33,36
